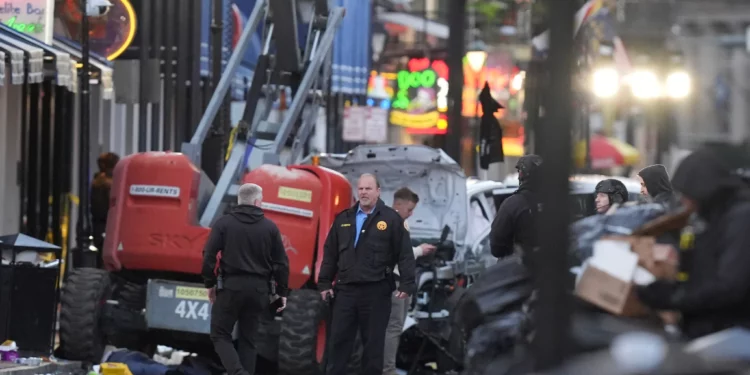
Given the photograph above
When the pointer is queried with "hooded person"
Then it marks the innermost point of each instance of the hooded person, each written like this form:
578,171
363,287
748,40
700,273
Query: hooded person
609,192
716,295
655,185
514,223
100,191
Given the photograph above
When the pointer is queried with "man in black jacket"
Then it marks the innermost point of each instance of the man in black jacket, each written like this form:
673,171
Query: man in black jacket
514,222
655,185
716,295
364,245
250,253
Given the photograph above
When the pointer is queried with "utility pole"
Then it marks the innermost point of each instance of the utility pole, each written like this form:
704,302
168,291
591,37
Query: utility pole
554,140
456,52
84,237
213,148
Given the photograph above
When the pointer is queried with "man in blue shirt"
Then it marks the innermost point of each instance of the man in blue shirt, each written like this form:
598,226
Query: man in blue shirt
364,245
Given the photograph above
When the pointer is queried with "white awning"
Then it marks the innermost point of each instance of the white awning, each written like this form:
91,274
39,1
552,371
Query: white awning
16,63
35,71
419,24
61,59
108,92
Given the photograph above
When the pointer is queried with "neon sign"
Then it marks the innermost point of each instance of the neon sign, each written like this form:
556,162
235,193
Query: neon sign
25,27
29,17
111,34
420,100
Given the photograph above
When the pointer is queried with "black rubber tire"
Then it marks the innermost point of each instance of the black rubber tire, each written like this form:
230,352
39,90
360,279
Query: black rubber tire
299,333
82,299
122,325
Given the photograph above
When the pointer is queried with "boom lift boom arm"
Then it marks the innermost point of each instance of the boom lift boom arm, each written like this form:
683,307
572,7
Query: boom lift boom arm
259,141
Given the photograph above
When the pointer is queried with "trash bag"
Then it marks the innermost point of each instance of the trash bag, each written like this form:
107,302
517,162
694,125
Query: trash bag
495,340
584,232
504,287
496,314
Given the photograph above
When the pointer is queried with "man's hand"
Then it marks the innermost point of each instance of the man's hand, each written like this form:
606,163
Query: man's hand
325,295
401,295
283,305
212,295
427,249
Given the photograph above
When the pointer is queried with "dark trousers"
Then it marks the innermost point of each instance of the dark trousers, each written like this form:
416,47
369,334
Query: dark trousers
363,308
245,308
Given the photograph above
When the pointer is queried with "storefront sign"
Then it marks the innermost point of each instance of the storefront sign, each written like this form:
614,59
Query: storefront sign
365,124
420,101
33,17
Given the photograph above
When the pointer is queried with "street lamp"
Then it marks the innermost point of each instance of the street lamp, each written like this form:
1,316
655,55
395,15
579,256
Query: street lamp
477,56
678,85
605,83
645,85
516,84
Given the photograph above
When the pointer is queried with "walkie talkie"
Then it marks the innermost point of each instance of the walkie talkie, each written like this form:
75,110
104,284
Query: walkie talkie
219,282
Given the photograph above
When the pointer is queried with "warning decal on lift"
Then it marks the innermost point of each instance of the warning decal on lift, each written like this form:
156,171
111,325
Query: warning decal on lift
293,194
155,191
286,209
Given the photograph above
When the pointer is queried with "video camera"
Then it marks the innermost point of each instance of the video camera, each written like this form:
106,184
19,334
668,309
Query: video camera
445,252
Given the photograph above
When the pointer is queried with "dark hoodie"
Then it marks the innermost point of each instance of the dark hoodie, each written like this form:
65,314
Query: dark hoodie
657,183
717,293
252,252
514,223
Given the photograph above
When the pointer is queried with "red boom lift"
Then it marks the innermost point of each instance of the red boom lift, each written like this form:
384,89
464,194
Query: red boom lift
162,206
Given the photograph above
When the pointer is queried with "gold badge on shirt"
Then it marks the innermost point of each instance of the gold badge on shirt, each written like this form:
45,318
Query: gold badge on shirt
382,225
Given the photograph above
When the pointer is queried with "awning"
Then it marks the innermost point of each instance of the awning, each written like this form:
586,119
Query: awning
97,62
415,23
13,57
351,49
606,152
61,59
34,55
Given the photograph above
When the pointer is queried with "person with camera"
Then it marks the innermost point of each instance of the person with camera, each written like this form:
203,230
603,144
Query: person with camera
244,252
404,202
363,247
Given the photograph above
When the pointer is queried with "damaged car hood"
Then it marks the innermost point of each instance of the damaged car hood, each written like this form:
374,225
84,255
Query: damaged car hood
431,173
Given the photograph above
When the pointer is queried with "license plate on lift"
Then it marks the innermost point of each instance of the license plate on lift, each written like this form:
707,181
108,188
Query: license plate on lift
178,307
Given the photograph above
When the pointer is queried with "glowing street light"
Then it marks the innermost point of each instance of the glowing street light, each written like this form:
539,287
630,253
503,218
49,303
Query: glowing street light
605,82
678,85
516,84
477,56
645,85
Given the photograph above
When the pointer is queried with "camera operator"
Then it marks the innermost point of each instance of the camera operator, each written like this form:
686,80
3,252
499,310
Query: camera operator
250,253
404,202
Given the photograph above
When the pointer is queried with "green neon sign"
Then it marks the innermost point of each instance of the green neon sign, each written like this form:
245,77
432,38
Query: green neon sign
24,27
412,80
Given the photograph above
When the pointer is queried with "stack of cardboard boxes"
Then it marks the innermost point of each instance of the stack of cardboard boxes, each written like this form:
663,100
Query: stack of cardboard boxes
609,278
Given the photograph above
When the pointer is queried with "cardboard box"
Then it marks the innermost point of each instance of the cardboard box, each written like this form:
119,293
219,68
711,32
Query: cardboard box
608,279
609,293
659,259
